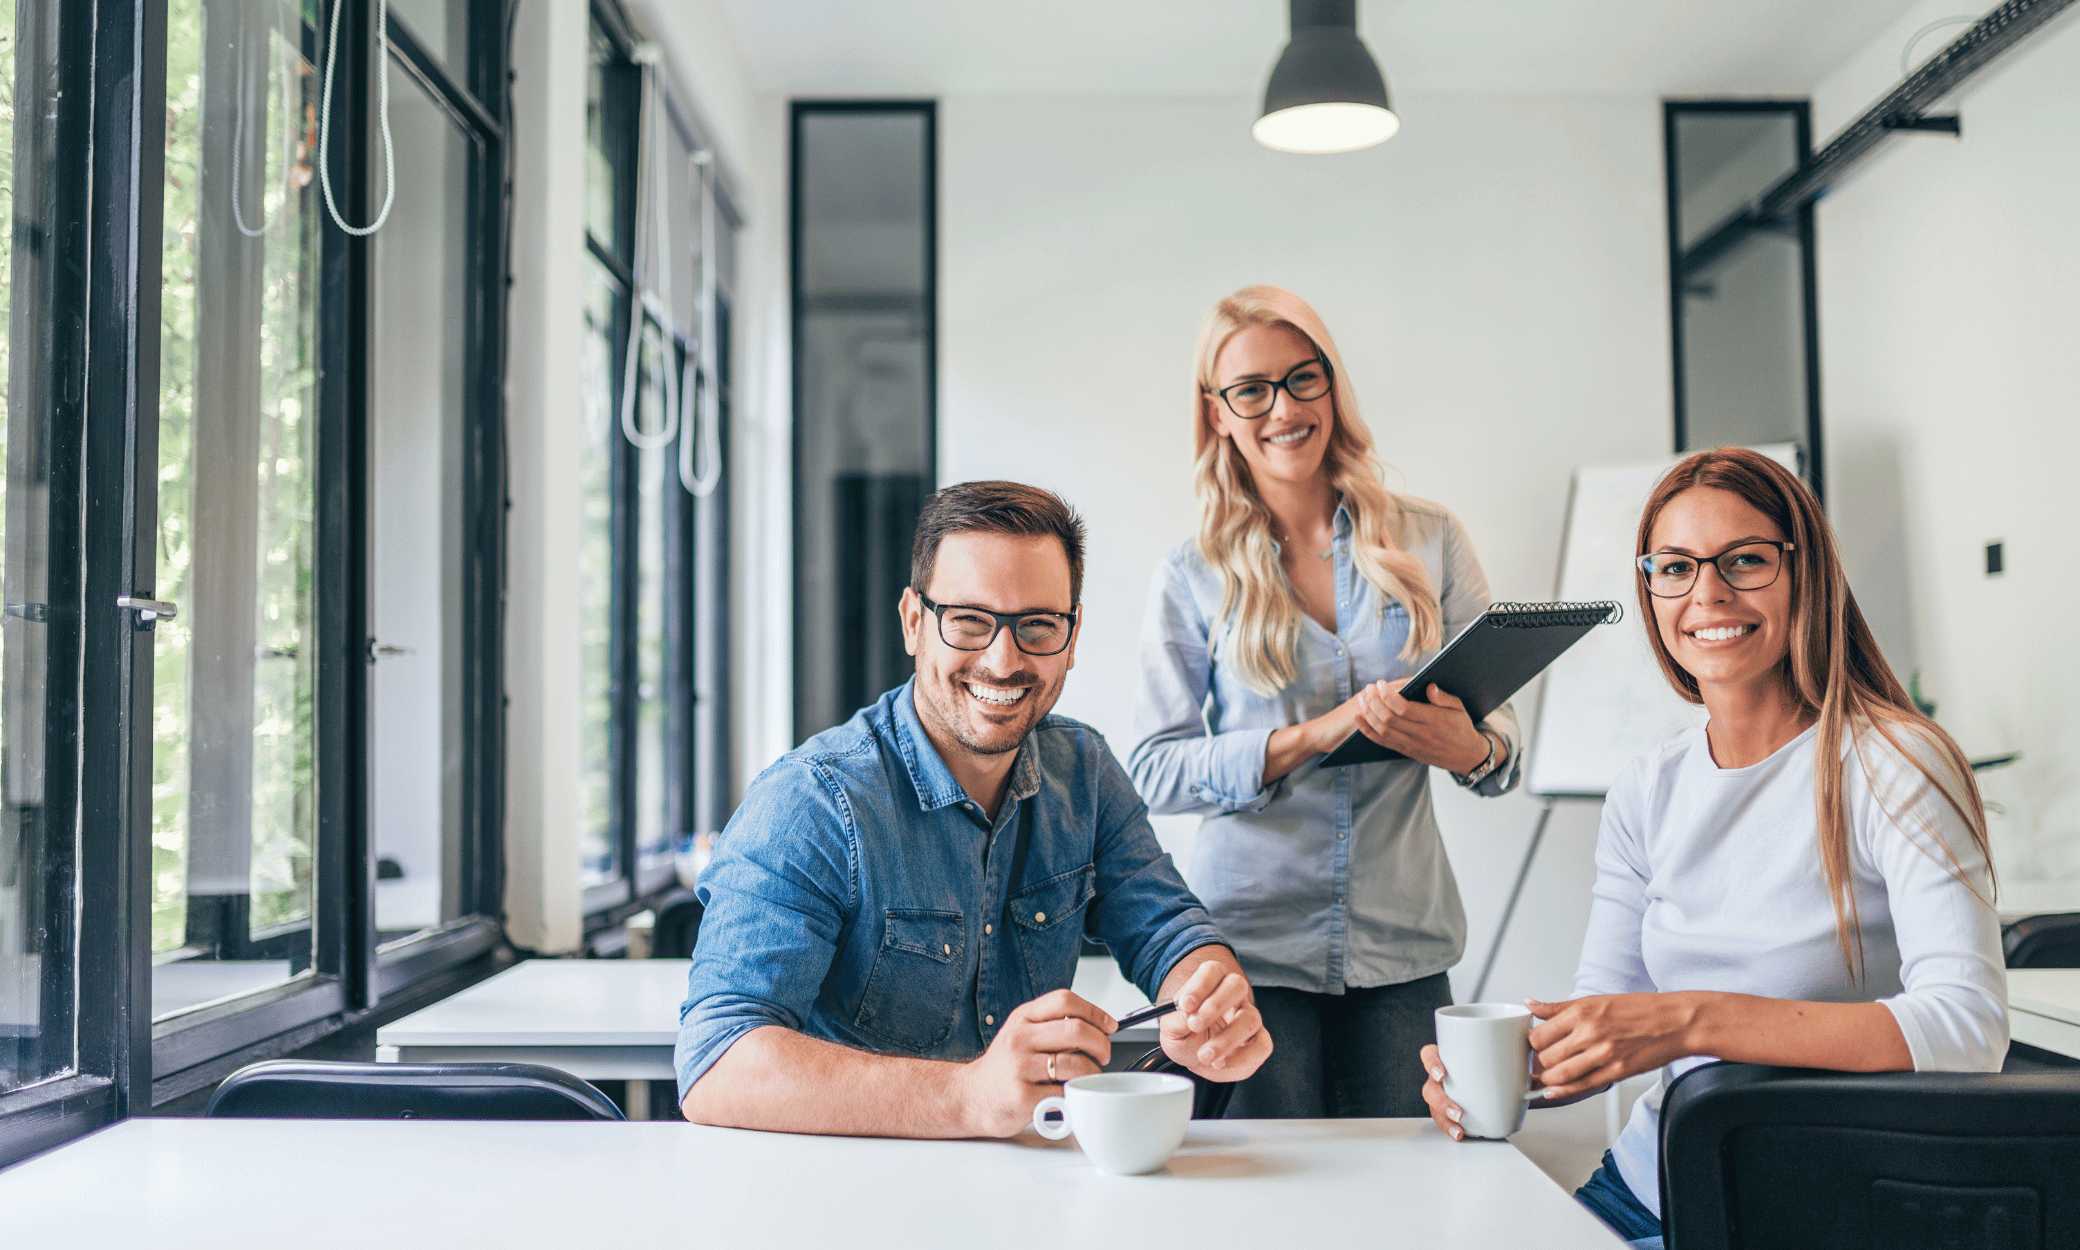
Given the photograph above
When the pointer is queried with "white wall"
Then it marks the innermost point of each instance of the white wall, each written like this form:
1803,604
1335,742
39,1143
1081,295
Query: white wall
542,441
1495,279
1948,318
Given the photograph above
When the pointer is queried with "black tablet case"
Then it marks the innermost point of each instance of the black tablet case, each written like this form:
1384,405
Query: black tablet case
1489,661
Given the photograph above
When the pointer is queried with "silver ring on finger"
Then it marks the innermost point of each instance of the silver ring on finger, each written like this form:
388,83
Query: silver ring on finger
1051,1080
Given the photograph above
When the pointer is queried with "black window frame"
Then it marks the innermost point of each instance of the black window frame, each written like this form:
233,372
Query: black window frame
1800,226
100,375
108,102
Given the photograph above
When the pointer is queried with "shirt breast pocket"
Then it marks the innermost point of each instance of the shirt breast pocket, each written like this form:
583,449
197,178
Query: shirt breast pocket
915,988
1048,919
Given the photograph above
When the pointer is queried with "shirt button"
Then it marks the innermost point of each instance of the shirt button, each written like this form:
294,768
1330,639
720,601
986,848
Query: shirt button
1339,835
988,929
1339,900
989,1020
1039,917
948,948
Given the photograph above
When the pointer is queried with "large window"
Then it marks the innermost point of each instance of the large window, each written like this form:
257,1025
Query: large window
249,697
654,419
865,333
324,706
78,131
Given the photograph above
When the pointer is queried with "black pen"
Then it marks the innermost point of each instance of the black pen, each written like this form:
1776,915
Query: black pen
1146,1014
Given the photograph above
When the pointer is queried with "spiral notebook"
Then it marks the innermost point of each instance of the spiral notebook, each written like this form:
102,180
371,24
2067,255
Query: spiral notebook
1489,661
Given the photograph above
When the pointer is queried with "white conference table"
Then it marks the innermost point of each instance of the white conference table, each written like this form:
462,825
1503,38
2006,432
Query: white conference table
2044,1008
196,1184
612,1019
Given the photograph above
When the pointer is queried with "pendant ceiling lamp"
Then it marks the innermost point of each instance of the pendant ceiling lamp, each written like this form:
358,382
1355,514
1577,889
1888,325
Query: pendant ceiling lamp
1325,93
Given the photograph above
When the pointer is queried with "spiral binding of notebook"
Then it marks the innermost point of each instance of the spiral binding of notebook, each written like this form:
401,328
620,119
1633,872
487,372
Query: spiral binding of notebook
1545,615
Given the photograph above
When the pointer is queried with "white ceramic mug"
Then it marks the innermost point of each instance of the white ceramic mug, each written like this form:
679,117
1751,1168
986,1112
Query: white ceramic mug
1486,1052
1127,1122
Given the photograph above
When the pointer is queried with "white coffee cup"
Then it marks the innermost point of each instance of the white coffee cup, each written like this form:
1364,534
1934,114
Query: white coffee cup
1486,1051
1127,1122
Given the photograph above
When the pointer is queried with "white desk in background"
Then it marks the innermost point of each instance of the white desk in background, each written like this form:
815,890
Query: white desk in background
611,1019
195,1184
2044,1008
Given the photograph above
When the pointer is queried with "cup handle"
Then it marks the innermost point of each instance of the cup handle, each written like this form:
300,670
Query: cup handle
1052,1130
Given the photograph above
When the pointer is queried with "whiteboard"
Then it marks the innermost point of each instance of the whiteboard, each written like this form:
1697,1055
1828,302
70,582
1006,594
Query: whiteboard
1605,702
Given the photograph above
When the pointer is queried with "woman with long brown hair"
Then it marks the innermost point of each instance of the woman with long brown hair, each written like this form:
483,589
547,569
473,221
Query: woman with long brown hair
1284,627
1805,880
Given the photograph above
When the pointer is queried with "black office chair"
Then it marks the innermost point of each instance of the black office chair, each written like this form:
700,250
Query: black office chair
1209,1098
1756,1158
307,1089
2048,941
678,925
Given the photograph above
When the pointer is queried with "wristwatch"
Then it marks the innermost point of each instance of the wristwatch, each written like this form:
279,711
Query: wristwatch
1480,771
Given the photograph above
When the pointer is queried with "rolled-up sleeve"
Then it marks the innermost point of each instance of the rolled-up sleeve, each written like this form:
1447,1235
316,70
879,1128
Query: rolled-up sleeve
1953,1005
776,896
1176,765
1143,911
1465,597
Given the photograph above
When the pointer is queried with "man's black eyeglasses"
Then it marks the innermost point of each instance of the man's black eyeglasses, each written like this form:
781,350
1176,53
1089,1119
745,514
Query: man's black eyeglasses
1253,399
1744,566
966,628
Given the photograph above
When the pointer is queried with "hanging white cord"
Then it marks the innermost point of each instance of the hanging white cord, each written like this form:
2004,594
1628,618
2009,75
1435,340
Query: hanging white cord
238,131
1906,54
644,309
382,112
707,421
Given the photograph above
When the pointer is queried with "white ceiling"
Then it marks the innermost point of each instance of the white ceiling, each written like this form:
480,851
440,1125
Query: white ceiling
1628,47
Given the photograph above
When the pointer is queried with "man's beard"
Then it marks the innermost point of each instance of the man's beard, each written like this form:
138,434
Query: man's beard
1003,739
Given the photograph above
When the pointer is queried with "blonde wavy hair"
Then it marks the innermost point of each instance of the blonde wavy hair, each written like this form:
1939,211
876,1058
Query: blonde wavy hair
1837,675
1235,532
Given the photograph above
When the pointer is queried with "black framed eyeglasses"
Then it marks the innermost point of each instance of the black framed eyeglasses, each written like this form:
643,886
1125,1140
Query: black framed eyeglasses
1744,566
1253,399
966,628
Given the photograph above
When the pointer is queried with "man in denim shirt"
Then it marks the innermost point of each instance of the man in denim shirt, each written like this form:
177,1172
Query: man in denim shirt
894,914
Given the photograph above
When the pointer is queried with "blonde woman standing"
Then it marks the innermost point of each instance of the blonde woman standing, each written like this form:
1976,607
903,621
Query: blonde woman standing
1310,592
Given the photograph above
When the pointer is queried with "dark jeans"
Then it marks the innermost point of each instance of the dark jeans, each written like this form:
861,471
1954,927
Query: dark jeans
1343,1055
1611,1200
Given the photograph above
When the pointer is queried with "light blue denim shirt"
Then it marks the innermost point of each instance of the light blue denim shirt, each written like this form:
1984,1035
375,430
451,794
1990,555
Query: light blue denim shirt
1329,877
858,895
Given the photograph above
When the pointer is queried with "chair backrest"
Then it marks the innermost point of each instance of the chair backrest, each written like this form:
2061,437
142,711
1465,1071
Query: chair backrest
1786,1158
2047,941
306,1089
678,925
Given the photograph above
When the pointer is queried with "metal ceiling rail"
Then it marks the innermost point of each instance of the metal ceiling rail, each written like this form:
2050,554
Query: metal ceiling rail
1901,109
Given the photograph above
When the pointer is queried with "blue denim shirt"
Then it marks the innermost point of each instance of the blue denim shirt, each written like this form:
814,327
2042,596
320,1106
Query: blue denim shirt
858,894
1327,878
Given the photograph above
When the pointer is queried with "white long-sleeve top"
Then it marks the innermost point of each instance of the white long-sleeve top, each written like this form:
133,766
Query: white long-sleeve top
1709,878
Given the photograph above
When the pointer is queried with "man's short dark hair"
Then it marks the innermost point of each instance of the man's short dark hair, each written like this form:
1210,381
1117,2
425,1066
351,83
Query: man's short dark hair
1011,508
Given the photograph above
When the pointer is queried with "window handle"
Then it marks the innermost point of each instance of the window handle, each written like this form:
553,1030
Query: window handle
148,610
384,650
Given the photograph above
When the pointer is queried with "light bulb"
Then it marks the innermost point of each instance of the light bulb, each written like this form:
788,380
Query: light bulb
1324,128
